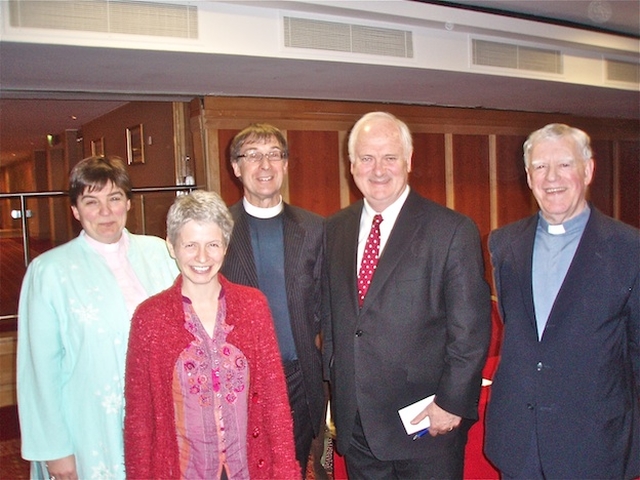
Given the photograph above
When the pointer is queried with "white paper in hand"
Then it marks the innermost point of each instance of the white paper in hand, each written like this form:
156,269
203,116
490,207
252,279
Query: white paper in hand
410,412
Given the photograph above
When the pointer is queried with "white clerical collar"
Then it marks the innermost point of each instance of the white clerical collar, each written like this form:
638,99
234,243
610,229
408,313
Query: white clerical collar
577,222
556,229
260,212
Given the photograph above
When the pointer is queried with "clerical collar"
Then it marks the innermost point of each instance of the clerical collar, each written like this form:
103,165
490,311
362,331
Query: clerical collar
577,222
259,212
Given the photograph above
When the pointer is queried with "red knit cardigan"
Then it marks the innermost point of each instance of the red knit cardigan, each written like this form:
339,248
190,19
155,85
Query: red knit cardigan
157,337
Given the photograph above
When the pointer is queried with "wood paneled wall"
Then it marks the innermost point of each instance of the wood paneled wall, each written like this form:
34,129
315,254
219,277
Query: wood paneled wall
467,159
7,368
160,157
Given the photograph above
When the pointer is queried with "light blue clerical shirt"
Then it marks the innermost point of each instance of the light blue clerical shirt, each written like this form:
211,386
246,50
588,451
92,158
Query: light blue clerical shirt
553,251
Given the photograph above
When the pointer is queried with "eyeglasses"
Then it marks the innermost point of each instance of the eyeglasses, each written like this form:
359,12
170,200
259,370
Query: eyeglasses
253,156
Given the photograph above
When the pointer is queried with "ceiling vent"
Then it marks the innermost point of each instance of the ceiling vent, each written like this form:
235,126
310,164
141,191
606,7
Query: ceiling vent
107,16
618,71
344,37
506,55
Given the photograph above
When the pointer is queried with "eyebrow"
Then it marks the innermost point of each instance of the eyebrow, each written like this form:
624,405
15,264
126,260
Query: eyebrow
110,194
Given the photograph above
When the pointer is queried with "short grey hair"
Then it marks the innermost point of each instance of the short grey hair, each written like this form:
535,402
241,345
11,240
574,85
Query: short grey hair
557,131
200,206
405,133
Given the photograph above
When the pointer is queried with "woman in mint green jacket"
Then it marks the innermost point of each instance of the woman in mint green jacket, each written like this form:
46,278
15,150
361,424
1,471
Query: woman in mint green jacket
74,313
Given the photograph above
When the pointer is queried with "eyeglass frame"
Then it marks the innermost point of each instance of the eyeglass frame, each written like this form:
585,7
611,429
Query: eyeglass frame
259,156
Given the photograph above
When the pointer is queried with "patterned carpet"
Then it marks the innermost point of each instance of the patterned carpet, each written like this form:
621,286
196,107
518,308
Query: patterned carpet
12,467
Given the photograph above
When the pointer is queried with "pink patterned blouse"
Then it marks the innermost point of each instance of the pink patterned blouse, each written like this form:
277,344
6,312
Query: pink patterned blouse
210,383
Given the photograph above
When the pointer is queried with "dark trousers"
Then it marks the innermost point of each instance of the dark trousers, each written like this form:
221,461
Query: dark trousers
302,427
362,464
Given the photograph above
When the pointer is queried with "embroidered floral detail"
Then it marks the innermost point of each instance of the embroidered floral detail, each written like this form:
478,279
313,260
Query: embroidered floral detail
226,376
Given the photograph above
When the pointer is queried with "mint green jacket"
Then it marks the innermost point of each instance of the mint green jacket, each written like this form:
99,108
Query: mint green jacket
73,328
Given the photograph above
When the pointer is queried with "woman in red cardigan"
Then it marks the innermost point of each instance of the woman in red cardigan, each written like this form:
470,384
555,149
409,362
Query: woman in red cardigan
205,390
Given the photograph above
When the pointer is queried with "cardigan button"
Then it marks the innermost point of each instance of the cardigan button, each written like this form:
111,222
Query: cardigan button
261,463
256,432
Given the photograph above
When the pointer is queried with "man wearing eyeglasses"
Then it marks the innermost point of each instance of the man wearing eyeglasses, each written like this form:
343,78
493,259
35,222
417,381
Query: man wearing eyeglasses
277,248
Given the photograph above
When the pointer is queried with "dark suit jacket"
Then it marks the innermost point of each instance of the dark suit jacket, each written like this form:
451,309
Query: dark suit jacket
424,327
303,255
576,386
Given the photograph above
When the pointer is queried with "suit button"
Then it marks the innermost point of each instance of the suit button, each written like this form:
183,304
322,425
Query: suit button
539,366
358,333
530,406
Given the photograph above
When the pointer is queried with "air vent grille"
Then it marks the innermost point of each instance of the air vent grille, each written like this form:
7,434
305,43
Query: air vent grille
618,71
107,16
506,55
343,37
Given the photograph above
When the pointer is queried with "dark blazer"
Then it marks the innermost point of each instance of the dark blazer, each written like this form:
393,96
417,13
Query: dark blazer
303,255
424,327
579,386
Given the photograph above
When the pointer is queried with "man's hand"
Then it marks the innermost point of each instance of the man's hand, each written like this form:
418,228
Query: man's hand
442,422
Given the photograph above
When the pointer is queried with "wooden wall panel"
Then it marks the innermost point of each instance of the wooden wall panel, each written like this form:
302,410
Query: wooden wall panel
230,186
314,173
157,123
471,178
629,182
354,192
514,198
471,185
428,175
601,189
8,344
148,211
478,152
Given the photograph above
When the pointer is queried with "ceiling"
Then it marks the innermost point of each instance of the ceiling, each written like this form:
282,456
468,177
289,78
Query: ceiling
63,87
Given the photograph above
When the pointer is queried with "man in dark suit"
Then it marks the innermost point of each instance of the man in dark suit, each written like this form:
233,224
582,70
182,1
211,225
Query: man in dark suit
566,396
423,327
278,248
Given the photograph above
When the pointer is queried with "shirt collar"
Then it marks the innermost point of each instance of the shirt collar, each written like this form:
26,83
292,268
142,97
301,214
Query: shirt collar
104,248
576,223
392,211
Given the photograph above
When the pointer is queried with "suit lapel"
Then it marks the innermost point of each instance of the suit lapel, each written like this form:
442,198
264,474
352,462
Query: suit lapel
583,264
347,254
294,236
522,251
401,237
244,250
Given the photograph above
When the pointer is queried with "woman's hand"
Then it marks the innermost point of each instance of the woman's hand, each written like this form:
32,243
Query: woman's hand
62,468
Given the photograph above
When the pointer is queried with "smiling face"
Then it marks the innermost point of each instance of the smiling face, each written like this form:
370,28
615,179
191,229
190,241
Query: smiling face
558,177
199,252
262,180
102,213
380,165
